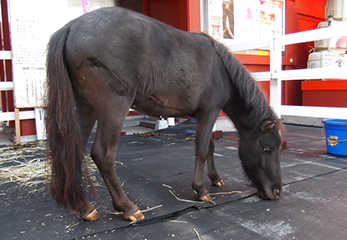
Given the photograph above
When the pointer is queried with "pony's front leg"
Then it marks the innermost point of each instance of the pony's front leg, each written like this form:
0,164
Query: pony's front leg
104,153
197,183
212,173
203,134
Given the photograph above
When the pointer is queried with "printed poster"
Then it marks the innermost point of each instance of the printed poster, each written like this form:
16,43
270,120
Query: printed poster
32,22
216,19
245,20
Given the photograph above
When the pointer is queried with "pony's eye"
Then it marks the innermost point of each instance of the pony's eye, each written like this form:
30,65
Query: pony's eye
267,150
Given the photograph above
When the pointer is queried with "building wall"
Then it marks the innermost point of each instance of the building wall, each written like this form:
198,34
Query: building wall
135,5
181,14
300,15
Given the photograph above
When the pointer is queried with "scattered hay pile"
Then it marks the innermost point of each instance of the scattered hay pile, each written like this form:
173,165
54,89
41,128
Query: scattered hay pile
27,164
23,164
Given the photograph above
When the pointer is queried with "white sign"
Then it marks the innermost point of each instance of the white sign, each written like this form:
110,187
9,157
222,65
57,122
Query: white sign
32,22
247,19
216,19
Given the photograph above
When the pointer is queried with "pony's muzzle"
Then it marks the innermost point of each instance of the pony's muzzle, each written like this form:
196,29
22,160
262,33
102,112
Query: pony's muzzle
271,193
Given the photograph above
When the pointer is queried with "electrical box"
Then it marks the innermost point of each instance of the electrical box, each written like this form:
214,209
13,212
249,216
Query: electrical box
326,59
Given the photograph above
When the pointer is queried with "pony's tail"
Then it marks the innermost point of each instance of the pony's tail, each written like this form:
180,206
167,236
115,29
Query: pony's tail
64,138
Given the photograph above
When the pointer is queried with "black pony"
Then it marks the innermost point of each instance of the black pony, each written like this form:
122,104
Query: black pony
105,62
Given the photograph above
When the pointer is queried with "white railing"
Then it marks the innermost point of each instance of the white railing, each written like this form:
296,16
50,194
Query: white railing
5,86
5,55
276,75
37,114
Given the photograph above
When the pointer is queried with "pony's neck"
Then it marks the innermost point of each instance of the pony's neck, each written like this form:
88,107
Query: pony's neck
247,106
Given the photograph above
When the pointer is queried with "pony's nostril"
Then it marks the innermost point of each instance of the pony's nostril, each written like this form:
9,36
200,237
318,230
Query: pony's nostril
277,190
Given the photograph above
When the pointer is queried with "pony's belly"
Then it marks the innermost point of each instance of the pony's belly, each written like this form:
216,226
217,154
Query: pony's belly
162,107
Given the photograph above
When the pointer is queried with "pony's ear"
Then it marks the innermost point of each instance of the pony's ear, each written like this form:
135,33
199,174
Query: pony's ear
267,125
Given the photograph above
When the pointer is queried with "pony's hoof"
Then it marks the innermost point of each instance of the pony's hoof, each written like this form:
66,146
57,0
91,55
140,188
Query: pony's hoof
136,216
93,215
219,184
206,198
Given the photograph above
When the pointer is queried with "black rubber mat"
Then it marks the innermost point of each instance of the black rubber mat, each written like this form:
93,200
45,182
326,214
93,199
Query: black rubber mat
313,206
312,209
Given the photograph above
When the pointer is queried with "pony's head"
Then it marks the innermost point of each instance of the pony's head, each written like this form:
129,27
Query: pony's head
260,156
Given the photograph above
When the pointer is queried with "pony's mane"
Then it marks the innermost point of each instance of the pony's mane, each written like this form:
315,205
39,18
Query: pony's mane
246,87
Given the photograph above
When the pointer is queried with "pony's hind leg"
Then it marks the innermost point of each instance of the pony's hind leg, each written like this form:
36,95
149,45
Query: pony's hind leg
212,173
104,153
86,120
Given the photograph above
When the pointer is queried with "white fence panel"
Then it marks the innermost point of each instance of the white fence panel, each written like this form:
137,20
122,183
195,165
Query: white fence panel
313,35
262,76
10,116
5,55
277,75
5,86
316,112
237,46
312,73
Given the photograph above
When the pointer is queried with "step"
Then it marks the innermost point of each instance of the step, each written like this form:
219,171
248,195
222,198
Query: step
148,123
133,120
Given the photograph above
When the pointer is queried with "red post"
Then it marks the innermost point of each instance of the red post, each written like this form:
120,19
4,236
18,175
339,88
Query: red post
6,65
193,16
145,8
